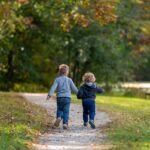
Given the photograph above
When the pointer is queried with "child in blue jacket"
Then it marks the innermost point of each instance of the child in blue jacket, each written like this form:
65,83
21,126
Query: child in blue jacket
87,93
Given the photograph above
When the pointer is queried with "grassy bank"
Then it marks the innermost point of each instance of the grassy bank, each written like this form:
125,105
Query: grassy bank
20,122
130,127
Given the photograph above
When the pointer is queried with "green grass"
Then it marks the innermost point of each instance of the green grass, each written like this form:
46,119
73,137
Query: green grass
130,127
20,122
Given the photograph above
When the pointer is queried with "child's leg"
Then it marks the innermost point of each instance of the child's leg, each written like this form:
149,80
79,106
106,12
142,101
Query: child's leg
59,108
92,110
66,108
85,111
59,113
92,113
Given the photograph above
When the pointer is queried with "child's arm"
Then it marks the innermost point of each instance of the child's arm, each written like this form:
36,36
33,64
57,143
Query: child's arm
80,93
73,87
99,90
52,89
48,97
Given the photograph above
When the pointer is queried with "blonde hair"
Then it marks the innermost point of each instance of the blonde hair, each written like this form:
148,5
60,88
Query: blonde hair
63,69
88,77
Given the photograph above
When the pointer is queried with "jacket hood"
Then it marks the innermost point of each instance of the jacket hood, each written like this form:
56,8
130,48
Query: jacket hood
90,85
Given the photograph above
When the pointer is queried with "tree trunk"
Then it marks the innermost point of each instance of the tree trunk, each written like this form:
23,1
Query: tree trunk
10,71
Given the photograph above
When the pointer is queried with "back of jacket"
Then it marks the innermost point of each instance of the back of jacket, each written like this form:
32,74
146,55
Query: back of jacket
63,86
88,91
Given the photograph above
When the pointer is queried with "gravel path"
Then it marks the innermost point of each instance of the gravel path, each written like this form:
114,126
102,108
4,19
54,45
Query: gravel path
77,137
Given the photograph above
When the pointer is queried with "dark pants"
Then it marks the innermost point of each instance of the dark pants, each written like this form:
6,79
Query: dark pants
63,105
88,109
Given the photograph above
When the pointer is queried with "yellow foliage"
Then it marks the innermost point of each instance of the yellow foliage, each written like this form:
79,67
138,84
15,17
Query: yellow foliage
146,30
85,12
22,1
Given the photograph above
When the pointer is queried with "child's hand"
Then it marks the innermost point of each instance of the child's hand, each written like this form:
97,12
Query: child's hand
48,97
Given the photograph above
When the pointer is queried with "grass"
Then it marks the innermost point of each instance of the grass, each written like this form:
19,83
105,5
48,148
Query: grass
20,122
130,127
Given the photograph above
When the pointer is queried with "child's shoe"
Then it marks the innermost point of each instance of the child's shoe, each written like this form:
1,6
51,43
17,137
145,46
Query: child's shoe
65,126
57,122
85,124
91,122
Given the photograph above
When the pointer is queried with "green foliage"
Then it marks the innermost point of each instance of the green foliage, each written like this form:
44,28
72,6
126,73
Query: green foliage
29,87
109,38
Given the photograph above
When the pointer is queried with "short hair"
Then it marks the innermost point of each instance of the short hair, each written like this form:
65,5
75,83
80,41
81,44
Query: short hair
63,69
88,77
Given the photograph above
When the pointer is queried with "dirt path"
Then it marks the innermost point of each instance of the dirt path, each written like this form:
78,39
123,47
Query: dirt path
77,137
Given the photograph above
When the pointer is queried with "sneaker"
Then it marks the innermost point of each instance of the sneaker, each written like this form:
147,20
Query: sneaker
91,122
57,122
65,126
85,124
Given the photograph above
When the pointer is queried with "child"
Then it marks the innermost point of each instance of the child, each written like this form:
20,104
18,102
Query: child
63,86
87,93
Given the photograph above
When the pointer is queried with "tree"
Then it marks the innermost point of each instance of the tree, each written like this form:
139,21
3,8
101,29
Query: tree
105,37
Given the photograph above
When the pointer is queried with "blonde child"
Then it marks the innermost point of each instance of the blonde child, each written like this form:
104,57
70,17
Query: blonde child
87,93
63,86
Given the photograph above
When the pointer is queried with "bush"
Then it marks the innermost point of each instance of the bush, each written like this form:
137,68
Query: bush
29,87
130,92
134,93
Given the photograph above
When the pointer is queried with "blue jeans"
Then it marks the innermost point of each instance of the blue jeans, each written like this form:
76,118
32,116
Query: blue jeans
63,105
88,109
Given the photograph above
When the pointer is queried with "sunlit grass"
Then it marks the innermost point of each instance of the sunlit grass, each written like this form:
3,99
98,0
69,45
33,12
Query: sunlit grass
125,102
130,126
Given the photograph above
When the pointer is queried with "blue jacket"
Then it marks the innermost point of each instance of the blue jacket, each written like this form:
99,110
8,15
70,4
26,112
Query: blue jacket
88,91
63,86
